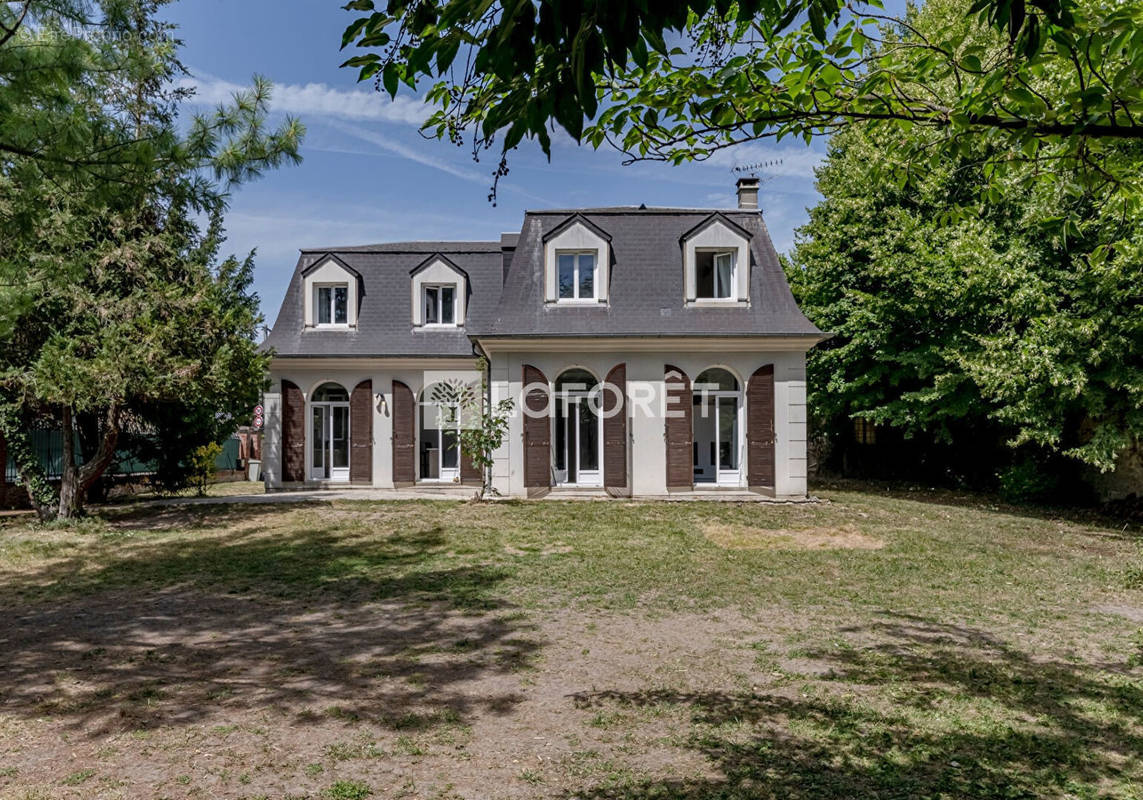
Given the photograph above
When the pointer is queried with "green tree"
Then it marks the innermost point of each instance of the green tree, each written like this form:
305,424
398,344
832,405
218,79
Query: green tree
112,300
1056,80
483,425
972,325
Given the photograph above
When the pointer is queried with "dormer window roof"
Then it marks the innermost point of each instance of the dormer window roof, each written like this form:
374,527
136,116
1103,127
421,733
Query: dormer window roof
716,263
577,262
332,290
439,293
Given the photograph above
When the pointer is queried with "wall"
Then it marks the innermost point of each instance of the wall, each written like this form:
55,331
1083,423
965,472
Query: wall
646,424
309,374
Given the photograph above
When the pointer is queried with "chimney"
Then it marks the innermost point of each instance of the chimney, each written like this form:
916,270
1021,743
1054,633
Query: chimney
748,193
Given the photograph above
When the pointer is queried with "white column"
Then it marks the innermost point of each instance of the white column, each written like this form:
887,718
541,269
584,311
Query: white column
790,425
645,388
272,438
383,431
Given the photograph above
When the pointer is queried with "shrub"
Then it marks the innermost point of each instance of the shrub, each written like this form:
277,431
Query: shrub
1028,481
203,467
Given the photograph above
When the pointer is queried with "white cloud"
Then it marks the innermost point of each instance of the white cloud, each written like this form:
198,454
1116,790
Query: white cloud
317,99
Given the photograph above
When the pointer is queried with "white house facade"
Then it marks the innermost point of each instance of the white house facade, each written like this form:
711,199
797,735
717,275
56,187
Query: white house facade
649,352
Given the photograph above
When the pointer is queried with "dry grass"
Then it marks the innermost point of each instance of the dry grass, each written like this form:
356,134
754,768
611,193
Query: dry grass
873,647
744,537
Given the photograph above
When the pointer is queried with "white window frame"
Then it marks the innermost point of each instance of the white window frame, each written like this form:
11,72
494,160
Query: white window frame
577,254
732,290
333,287
711,407
425,289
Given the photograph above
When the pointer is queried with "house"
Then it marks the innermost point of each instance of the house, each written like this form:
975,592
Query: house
650,351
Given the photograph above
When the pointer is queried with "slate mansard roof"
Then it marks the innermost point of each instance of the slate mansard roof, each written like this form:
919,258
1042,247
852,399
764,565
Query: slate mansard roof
384,318
506,289
646,294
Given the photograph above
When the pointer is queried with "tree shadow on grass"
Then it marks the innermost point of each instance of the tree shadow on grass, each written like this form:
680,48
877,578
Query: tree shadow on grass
374,626
1121,520
934,710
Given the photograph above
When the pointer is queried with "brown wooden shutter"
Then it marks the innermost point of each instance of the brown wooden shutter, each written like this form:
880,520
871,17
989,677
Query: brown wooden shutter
404,435
679,409
615,428
361,433
537,430
760,427
293,433
469,472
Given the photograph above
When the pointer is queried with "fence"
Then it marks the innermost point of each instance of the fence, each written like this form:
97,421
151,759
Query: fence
48,446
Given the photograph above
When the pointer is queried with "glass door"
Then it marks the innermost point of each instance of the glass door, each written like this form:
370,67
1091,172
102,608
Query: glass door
329,434
320,443
440,442
577,442
728,472
339,443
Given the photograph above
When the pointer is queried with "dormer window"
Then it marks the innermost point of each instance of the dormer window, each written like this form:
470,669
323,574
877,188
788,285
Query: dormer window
439,294
576,275
714,275
440,305
577,260
716,263
332,304
332,292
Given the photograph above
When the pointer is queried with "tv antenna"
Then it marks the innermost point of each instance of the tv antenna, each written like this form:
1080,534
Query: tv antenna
753,169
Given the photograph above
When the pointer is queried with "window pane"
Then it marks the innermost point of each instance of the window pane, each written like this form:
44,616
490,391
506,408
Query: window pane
728,432
323,305
431,295
561,436
450,457
331,393
430,442
340,437
341,305
716,379
724,275
704,275
586,275
566,276
588,437
448,305
319,443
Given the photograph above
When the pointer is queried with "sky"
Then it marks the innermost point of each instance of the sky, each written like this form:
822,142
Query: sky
369,176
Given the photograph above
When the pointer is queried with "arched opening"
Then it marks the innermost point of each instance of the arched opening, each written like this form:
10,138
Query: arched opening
438,439
578,429
329,433
717,438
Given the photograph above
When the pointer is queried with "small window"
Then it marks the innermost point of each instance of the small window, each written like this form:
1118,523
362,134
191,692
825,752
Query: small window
714,274
576,279
864,431
440,305
332,305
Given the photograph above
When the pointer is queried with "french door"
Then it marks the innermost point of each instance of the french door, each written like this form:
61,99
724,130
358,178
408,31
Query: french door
329,449
440,442
578,434
717,442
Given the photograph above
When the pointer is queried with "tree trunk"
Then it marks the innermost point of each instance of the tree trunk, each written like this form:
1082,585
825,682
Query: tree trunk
71,505
75,480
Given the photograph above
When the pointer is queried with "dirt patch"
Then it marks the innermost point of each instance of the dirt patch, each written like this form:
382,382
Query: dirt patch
1133,613
745,537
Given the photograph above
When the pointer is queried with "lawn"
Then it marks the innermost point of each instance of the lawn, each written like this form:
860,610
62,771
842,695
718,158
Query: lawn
872,646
